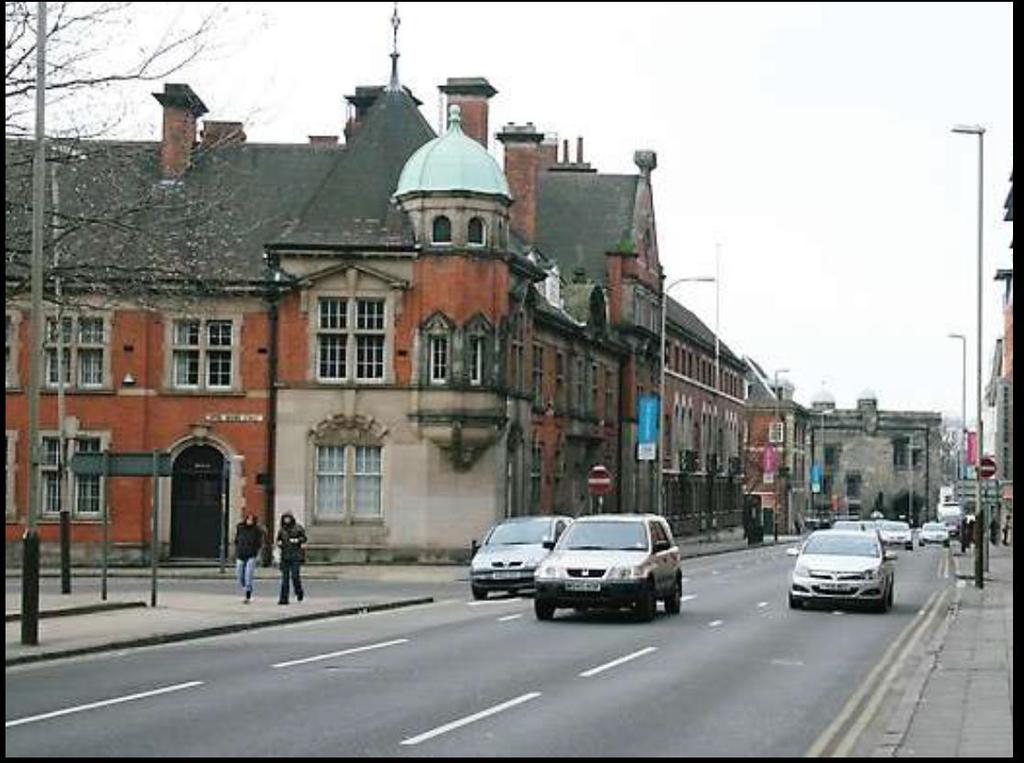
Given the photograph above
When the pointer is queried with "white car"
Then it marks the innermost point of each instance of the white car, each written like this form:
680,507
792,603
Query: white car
897,534
933,532
510,553
842,566
611,560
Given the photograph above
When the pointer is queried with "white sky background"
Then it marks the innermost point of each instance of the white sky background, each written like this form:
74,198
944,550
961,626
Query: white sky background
812,141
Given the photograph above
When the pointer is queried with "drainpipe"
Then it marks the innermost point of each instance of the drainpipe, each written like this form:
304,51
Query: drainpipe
270,485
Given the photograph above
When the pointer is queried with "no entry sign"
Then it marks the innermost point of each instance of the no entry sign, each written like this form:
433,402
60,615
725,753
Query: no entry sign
599,481
987,467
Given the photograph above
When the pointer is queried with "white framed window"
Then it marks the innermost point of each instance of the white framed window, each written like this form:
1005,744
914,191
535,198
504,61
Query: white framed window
438,351
203,354
367,503
441,230
330,481
351,339
476,232
88,488
476,360
82,341
49,475
348,482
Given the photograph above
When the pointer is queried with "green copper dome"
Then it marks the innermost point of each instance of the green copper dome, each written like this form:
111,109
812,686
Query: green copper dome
453,162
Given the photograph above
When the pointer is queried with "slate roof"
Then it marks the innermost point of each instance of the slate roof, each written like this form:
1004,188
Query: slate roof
119,220
581,216
695,328
352,206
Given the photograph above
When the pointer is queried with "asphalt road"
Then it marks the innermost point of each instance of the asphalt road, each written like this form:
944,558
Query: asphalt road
737,674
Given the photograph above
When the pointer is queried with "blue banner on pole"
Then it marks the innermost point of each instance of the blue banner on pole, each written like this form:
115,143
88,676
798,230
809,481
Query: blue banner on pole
817,472
647,429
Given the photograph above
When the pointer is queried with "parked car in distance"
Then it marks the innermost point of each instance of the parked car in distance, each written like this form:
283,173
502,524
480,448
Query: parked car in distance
611,560
933,532
843,566
510,553
897,534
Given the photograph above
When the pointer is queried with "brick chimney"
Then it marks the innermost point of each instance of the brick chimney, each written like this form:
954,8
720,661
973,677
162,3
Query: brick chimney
471,94
181,109
524,156
222,134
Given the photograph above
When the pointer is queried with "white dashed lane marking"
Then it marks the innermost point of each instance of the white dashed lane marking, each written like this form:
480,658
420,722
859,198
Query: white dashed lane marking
762,604
342,653
714,623
470,719
506,618
620,661
688,597
103,703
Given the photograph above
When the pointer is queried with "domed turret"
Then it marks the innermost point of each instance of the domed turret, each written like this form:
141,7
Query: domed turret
452,162
455,193
823,400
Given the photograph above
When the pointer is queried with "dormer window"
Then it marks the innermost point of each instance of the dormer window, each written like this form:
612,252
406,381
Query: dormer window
477,232
442,230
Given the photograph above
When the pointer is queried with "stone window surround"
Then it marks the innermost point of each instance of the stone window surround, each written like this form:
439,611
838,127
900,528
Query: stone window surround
459,209
104,436
12,379
434,222
73,346
350,438
478,328
171,319
352,293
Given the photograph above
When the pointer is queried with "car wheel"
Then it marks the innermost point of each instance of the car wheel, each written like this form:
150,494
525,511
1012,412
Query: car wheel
910,547
795,603
479,593
544,610
673,602
648,603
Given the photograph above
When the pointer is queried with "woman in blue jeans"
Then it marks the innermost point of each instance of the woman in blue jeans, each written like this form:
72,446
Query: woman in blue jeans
290,540
248,542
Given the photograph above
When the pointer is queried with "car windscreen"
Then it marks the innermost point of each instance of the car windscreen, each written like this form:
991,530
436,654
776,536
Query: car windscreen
895,526
605,536
841,525
519,533
933,526
842,545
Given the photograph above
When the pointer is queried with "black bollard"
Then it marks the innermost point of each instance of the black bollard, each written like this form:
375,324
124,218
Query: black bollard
30,587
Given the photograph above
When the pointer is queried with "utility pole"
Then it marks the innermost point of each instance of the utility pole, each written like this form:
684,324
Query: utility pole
62,441
30,540
979,513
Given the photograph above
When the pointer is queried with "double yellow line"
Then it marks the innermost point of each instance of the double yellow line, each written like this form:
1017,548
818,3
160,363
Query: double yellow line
841,735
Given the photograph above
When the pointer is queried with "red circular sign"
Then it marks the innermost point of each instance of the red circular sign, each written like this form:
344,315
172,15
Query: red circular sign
599,481
987,467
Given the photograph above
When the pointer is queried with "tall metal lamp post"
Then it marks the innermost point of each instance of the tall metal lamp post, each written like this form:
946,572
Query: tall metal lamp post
961,467
979,529
661,387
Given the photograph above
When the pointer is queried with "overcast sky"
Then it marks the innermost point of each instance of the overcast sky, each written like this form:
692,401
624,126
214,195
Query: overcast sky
812,141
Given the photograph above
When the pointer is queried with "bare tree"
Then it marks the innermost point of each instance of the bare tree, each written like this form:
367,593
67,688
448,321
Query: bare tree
117,227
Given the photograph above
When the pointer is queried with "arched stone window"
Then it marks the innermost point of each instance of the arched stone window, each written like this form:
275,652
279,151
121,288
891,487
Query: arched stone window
477,232
437,350
478,350
442,230
347,471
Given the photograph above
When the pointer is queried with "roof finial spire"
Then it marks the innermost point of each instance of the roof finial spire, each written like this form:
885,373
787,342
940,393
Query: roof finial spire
395,22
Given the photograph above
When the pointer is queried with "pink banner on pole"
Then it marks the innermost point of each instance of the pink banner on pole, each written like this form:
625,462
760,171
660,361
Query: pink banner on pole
972,448
771,460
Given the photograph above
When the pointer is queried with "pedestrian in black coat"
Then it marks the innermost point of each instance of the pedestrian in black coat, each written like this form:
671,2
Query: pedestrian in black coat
249,537
290,540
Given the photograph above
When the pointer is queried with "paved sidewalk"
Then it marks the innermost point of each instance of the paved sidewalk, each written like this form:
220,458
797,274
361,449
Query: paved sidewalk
962,706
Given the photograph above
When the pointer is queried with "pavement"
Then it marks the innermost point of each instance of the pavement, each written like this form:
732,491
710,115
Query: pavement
962,704
335,590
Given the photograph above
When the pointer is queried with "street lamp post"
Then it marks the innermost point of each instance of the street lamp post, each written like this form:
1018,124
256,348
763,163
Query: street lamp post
778,416
824,412
661,387
979,529
962,464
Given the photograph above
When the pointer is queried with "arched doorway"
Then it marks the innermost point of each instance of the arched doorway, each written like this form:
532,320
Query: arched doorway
197,492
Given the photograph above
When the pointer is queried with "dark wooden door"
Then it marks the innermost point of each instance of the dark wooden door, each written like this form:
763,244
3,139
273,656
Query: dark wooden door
196,497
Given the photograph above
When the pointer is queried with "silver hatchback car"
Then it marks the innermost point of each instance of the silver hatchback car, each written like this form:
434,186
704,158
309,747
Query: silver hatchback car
510,553
611,560
843,565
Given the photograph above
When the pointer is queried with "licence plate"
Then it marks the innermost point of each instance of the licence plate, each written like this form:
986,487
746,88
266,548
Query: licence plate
507,575
837,587
582,585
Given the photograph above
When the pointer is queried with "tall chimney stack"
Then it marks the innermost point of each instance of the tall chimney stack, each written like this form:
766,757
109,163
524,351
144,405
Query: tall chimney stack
471,94
523,160
181,109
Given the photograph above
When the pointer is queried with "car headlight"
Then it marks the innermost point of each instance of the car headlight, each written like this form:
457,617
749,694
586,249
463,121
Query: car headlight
801,571
625,573
871,574
547,573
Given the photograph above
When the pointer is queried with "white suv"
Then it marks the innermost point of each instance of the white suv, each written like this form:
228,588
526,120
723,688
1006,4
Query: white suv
611,560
